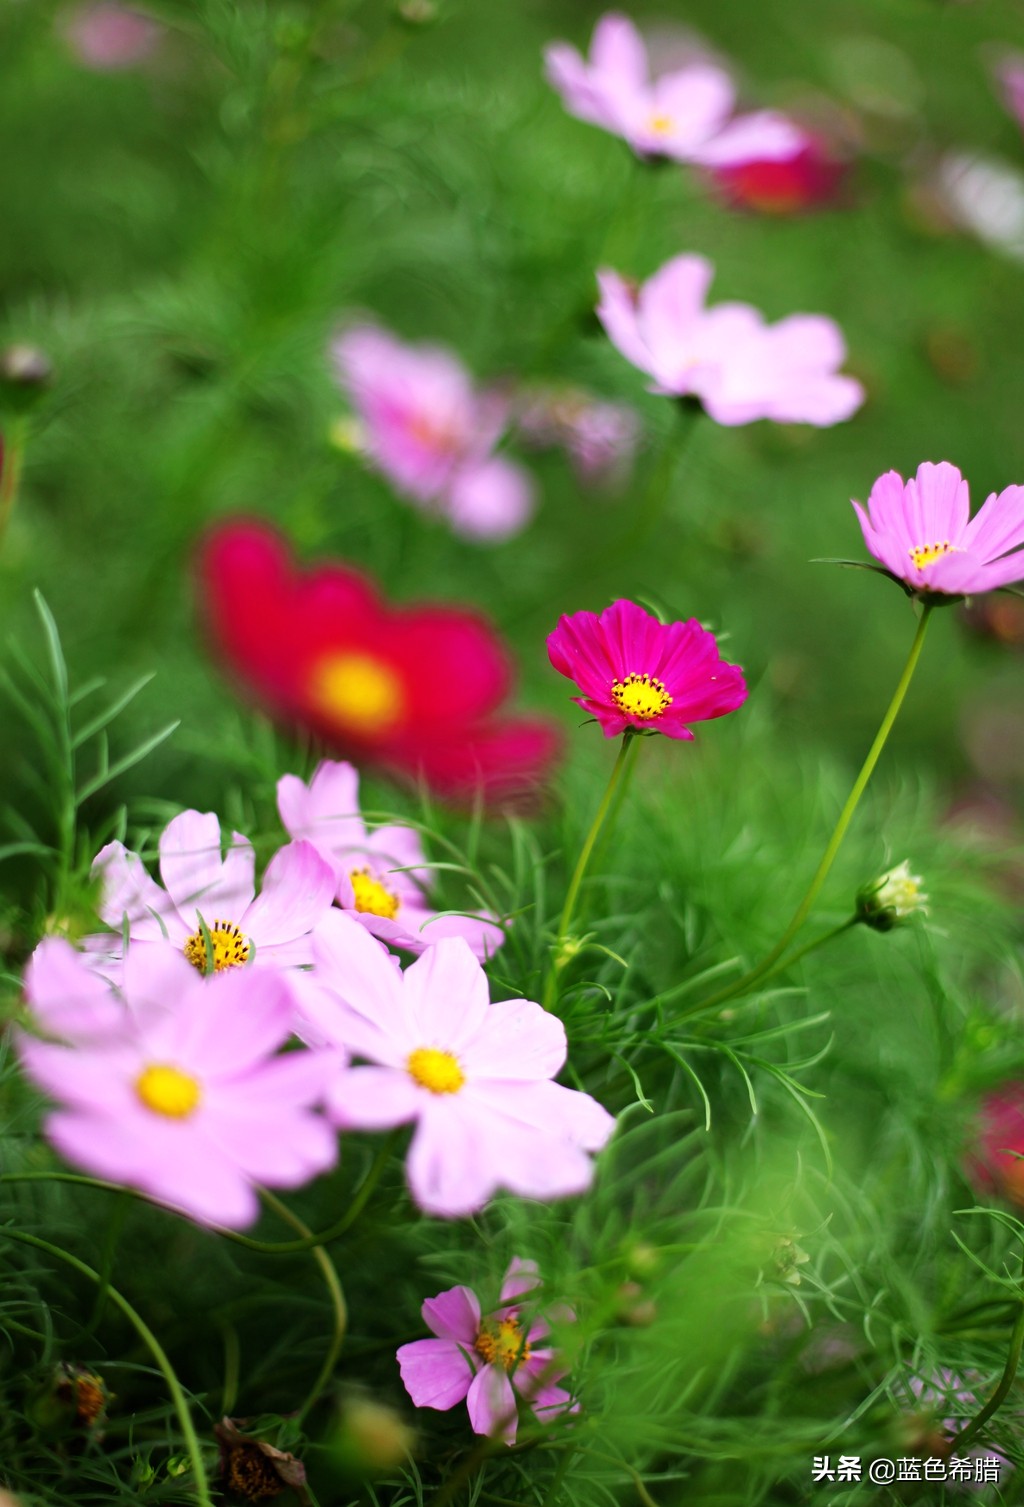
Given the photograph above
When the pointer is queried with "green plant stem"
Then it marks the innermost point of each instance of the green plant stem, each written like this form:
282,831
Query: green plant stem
12,461
621,765
767,964
333,1284
777,967
151,1342
967,1436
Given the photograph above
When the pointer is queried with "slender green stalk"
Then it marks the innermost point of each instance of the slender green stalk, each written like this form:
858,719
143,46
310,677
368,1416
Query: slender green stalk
12,460
151,1342
621,765
767,964
968,1435
777,967
335,1292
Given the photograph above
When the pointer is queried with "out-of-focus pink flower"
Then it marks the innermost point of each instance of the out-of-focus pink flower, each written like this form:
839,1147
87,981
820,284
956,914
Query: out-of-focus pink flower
188,1102
780,170
600,438
1008,69
415,690
981,195
382,875
108,37
995,1159
672,116
482,1359
953,1400
922,532
428,430
475,1077
636,672
206,889
738,366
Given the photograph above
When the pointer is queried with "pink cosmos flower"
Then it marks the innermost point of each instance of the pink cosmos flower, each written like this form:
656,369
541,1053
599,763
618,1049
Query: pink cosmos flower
187,1101
476,1078
204,887
769,164
922,532
672,116
737,365
636,672
995,1161
107,37
432,434
1009,74
381,875
955,1399
481,1359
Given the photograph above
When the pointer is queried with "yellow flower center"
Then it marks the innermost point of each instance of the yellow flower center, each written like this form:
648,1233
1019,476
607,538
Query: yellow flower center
361,693
927,554
439,1071
641,696
168,1091
503,1342
372,899
660,124
229,945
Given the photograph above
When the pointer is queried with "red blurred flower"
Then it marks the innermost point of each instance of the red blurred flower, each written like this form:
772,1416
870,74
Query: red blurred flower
413,690
995,1160
808,180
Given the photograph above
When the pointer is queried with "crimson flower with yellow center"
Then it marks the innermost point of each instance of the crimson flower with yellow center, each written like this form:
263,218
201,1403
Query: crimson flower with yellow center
483,1358
414,690
638,673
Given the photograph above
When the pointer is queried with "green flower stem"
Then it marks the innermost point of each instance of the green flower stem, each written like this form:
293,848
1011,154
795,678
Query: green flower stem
151,1342
967,1436
335,1292
12,460
619,769
767,964
777,967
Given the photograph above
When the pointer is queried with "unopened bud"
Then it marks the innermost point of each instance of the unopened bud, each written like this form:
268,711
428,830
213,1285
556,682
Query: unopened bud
891,899
417,12
25,374
372,1438
786,1258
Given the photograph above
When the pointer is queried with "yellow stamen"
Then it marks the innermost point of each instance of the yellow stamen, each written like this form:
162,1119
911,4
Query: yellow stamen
439,1071
503,1342
168,1091
229,944
927,554
661,124
372,899
359,692
641,696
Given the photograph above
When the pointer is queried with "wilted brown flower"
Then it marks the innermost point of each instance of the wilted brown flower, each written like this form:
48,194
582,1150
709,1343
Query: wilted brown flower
253,1470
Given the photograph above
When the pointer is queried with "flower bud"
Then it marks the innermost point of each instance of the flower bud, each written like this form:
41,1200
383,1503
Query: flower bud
372,1438
25,374
891,899
72,1400
417,12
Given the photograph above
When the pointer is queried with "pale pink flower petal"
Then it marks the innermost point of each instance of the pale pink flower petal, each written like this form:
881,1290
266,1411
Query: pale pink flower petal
436,1373
490,499
374,1098
65,1000
453,1315
492,1404
521,1277
197,878
127,890
296,892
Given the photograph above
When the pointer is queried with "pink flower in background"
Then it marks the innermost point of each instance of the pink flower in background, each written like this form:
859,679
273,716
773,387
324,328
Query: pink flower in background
770,165
672,116
204,887
67,1000
187,1102
599,437
476,1078
1009,75
432,434
636,672
954,1400
738,366
382,874
922,532
108,37
995,1161
482,1359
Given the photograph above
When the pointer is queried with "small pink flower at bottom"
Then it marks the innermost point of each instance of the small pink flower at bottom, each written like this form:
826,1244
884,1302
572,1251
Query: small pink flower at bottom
636,672
188,1102
922,532
475,1078
382,875
108,37
486,1360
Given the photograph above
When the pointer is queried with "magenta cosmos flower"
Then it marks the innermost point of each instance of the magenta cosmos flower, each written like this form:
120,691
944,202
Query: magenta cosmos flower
637,673
108,38
188,1102
475,1078
481,1359
381,875
738,366
675,115
432,434
922,532
202,886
